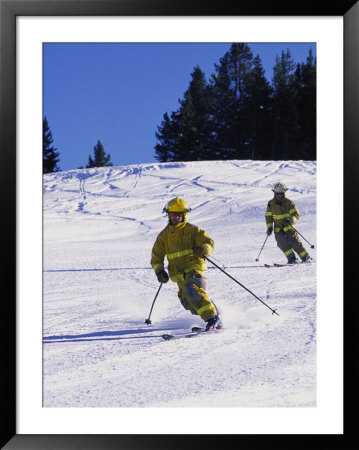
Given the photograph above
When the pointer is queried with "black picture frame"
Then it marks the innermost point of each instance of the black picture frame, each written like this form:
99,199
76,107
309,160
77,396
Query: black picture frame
9,10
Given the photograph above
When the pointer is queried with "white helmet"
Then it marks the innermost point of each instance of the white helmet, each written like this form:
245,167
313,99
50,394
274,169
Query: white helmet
279,188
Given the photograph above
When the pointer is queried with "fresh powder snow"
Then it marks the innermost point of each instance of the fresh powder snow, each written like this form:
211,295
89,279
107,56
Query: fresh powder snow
99,226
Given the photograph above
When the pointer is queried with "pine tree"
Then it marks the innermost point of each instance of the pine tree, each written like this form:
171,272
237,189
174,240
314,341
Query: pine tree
194,113
241,107
50,157
222,147
305,77
168,135
100,157
286,125
185,135
256,113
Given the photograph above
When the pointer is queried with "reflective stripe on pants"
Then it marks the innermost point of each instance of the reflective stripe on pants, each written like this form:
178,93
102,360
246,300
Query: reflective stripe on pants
193,296
289,241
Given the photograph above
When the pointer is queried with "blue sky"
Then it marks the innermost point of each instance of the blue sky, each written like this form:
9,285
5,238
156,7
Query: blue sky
117,93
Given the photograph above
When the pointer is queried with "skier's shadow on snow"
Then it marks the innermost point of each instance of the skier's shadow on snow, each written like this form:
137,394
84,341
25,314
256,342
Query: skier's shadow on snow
105,335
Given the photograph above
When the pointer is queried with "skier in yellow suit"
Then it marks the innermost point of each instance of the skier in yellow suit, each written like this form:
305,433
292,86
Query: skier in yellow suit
283,214
185,246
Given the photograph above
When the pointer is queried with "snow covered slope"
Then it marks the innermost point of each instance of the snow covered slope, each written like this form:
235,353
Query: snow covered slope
99,228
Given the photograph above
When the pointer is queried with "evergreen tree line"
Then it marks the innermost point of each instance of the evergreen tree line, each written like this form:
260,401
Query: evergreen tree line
238,114
50,155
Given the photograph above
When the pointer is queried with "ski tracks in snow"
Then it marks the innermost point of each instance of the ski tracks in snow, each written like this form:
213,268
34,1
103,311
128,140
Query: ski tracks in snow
100,225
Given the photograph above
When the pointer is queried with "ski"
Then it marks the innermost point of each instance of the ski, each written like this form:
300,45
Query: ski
169,337
275,265
286,265
203,330
278,265
196,331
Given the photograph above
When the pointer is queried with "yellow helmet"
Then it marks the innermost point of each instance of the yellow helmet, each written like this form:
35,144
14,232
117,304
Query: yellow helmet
279,188
176,205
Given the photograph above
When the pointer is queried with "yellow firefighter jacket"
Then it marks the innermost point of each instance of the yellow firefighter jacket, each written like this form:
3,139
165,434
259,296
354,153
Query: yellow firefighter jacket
176,242
276,212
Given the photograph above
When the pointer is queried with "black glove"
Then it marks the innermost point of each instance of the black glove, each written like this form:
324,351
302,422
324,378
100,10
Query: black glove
288,221
200,251
162,276
269,231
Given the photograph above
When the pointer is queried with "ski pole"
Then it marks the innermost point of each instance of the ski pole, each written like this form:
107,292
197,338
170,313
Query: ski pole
257,259
147,321
311,246
274,311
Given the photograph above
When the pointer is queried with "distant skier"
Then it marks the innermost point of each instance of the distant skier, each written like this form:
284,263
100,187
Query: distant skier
283,213
185,246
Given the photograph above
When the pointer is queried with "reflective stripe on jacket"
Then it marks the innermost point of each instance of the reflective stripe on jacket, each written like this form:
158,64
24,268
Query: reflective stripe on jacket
276,212
176,242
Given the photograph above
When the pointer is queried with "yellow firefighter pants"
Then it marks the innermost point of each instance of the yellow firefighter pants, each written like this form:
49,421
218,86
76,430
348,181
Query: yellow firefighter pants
193,296
288,241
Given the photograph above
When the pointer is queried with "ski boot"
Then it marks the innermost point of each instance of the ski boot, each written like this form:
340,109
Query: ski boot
214,322
292,260
306,259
